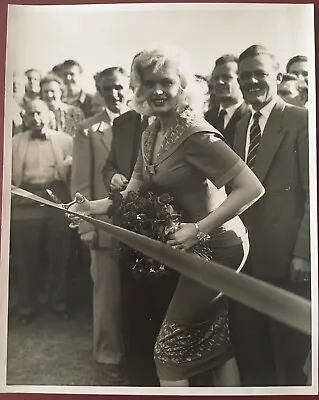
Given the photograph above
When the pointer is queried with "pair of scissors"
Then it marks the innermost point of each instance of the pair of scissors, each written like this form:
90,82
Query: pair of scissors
79,198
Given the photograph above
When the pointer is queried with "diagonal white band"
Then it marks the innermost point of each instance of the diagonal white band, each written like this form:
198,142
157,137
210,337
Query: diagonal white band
277,303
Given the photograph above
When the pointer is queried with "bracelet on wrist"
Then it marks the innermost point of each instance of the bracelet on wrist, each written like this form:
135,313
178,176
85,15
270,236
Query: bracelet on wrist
201,236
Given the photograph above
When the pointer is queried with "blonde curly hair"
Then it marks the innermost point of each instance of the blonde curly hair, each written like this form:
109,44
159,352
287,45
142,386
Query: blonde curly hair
157,58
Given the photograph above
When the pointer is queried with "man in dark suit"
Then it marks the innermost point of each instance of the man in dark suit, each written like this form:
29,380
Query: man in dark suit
273,140
92,144
231,105
127,130
143,301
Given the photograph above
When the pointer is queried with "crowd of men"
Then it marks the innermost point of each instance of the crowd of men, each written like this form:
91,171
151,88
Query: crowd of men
66,141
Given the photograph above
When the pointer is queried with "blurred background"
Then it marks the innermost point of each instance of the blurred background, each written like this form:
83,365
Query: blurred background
99,36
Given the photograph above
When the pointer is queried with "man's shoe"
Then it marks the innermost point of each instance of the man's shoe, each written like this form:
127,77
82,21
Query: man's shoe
61,313
110,375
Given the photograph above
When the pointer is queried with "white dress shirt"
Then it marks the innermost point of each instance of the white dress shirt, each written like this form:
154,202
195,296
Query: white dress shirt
229,112
111,114
40,164
265,112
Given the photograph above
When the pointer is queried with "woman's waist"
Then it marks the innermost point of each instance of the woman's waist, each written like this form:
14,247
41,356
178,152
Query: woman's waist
194,211
231,232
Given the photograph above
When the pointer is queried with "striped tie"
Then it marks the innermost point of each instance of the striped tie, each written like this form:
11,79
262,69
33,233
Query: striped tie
255,135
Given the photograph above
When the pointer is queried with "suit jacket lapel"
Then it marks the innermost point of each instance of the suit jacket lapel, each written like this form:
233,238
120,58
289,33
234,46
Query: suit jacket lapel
214,119
229,131
129,134
241,136
103,131
270,141
19,158
212,114
239,113
105,135
134,138
59,157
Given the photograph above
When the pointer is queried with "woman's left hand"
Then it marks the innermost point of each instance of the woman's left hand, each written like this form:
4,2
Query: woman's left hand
184,238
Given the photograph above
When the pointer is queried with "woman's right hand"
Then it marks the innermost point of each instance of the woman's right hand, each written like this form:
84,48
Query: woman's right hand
80,205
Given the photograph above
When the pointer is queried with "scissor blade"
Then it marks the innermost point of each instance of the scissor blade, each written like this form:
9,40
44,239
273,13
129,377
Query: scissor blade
31,196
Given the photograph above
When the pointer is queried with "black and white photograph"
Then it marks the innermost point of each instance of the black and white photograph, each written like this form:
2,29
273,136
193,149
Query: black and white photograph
159,220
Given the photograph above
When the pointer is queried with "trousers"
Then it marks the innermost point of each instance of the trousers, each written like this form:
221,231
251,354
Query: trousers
268,352
107,331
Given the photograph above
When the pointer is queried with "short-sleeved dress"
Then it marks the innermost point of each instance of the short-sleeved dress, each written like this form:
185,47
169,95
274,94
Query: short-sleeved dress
193,165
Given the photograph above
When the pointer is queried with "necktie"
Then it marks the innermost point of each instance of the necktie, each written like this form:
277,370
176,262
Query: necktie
221,120
59,118
255,136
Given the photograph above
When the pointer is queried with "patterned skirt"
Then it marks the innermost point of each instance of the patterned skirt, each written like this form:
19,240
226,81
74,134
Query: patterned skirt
194,336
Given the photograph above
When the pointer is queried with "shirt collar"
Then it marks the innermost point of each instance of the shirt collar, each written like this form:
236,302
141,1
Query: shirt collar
231,109
62,107
267,109
74,100
111,114
150,118
82,97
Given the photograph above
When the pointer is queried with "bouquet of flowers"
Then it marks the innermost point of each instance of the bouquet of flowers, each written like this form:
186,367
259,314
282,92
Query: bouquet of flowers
153,216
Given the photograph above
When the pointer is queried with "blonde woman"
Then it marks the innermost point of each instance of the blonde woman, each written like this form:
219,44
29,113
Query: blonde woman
183,155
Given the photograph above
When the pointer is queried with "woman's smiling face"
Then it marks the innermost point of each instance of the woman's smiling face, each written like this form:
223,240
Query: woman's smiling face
162,88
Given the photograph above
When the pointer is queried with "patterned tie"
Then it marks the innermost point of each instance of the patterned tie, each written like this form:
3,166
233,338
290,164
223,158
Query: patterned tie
221,120
255,135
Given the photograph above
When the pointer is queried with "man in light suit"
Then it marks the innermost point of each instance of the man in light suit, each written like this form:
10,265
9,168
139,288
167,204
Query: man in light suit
273,140
92,144
41,159
227,92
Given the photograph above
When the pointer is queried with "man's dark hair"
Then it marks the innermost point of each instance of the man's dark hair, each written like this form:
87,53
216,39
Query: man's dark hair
72,63
32,70
107,72
298,58
58,69
226,58
257,50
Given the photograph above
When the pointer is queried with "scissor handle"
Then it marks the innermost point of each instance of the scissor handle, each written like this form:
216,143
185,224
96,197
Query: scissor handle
79,198
68,205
